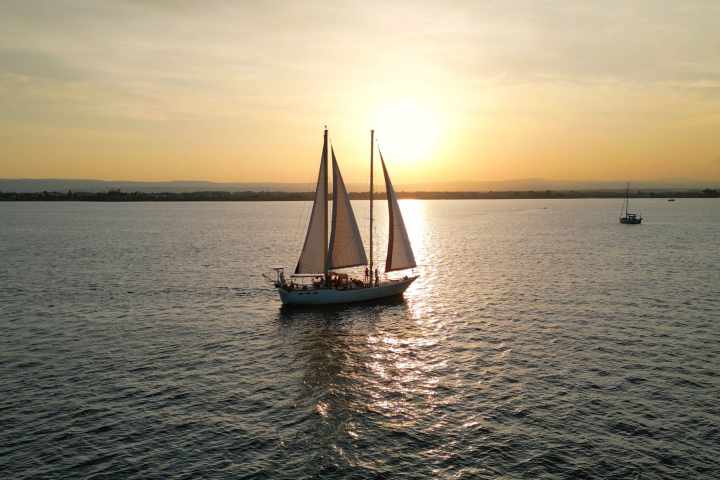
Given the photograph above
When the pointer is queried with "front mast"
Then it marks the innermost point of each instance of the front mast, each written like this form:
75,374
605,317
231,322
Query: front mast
372,150
325,206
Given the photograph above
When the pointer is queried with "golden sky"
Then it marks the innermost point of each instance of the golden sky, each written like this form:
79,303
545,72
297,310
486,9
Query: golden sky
457,91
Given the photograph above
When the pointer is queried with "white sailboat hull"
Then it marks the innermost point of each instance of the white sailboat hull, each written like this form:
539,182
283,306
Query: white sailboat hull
332,296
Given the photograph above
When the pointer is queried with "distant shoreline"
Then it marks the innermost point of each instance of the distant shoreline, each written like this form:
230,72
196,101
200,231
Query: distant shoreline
120,196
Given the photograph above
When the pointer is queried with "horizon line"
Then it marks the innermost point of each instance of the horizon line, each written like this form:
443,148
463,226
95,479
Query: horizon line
448,182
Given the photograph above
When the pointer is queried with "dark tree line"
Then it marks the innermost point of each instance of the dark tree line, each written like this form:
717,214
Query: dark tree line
214,196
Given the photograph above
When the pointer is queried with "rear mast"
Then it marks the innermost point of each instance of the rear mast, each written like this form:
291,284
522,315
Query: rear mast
372,150
627,199
326,271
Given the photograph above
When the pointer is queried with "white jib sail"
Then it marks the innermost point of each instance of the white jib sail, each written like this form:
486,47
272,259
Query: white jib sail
399,254
312,257
346,247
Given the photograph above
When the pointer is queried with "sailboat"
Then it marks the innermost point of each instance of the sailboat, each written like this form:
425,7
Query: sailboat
626,216
315,281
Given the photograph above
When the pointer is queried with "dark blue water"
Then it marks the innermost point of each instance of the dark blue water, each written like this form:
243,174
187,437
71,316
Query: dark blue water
543,340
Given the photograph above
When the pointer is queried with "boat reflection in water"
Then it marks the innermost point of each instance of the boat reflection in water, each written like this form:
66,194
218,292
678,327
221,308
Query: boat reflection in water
368,372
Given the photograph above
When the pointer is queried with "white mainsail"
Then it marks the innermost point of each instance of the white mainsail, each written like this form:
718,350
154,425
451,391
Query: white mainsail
312,257
346,246
399,253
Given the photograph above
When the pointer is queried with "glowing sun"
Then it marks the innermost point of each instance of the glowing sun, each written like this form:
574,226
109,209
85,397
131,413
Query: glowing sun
407,131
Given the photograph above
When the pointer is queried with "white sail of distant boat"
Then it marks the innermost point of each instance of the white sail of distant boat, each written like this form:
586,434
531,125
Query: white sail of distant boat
399,253
319,259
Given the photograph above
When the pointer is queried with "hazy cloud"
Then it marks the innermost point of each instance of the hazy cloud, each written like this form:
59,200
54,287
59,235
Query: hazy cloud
255,65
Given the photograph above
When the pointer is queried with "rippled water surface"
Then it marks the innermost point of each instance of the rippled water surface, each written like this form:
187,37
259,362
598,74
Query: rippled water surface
542,340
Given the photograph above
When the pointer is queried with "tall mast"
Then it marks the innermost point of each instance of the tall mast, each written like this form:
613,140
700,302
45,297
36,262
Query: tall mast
372,150
325,206
627,199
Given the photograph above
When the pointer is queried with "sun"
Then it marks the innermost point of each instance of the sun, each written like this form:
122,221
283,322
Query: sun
407,131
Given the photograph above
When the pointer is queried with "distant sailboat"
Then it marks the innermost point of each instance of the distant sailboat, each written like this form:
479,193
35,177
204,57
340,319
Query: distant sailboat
345,248
627,217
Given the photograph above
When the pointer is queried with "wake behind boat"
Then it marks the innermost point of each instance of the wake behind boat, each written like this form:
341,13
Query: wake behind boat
315,282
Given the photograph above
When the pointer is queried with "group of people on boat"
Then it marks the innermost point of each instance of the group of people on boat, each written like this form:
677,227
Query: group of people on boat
368,278
340,281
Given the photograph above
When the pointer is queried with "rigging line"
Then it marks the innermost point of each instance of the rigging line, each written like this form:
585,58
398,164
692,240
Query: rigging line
381,240
383,161
331,183
374,229
307,211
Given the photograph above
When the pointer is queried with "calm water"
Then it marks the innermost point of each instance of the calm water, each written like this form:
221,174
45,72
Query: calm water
543,340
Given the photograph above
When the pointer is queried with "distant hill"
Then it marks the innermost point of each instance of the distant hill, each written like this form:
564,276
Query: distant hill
541,185
27,185
22,185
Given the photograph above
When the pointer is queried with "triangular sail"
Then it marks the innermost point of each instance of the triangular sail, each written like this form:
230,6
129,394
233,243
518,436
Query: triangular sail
346,247
312,257
399,253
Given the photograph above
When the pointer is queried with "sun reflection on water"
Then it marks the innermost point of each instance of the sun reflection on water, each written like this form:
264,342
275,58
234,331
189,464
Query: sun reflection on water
403,381
377,368
414,216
